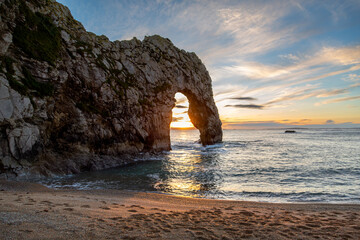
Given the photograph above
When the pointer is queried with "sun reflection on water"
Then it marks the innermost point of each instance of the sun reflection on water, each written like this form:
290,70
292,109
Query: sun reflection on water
189,170
313,165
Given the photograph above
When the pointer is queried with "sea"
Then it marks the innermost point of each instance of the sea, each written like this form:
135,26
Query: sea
267,165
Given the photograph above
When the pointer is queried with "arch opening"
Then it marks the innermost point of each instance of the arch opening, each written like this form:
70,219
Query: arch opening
182,130
180,116
186,110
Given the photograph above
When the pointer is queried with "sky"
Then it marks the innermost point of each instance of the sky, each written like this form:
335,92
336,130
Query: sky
272,63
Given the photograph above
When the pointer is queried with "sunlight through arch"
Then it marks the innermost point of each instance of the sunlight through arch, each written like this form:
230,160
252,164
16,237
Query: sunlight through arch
180,117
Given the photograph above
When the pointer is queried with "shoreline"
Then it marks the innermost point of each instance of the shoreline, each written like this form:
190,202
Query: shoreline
33,211
174,195
204,198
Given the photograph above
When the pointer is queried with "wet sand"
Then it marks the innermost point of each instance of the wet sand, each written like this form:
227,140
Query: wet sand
31,211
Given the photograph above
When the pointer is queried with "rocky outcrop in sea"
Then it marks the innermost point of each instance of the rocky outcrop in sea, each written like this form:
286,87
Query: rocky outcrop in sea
72,101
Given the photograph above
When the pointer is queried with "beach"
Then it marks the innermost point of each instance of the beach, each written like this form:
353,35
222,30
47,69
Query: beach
32,211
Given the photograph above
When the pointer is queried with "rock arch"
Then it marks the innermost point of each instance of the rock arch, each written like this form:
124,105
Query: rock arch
95,101
202,113
189,77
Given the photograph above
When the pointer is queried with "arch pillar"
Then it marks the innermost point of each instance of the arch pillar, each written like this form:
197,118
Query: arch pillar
204,116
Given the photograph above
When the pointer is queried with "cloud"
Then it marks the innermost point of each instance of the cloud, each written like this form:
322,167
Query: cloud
251,28
340,56
304,93
352,77
216,30
250,106
244,98
253,70
177,119
279,96
322,76
290,57
301,93
332,93
181,106
307,68
330,122
336,100
227,91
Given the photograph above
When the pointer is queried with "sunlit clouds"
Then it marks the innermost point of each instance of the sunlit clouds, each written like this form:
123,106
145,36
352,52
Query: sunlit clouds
270,61
336,100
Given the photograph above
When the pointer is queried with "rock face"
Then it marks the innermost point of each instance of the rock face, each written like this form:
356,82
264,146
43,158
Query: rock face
72,101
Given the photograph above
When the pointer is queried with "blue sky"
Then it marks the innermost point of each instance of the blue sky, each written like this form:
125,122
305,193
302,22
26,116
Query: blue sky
272,62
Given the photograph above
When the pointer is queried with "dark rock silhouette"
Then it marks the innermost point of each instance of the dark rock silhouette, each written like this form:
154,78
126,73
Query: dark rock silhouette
290,131
73,101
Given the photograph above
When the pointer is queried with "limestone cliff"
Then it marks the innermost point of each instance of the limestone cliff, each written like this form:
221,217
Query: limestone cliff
72,101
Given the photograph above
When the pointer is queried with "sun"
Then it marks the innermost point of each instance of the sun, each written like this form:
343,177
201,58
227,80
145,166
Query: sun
181,125
182,120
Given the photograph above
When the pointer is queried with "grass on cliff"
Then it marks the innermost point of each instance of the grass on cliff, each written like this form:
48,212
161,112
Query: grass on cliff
120,81
40,89
83,47
7,63
37,36
28,86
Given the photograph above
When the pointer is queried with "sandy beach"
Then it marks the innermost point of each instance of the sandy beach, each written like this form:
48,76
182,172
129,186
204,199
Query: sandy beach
32,211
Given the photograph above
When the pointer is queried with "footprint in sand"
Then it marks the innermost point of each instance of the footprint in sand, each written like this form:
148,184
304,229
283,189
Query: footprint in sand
105,208
136,206
28,204
229,208
68,209
46,202
85,206
18,200
132,210
128,228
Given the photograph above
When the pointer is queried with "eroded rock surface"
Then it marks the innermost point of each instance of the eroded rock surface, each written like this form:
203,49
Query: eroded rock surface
72,101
